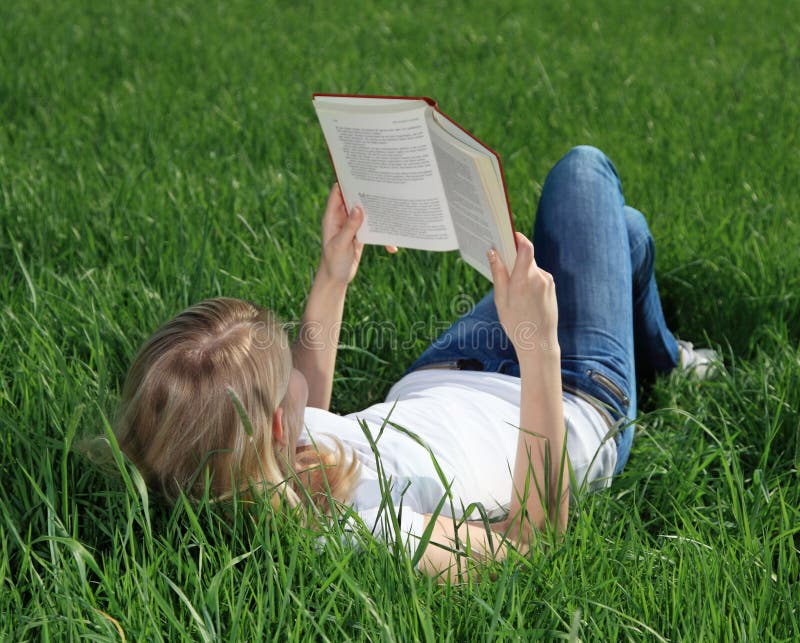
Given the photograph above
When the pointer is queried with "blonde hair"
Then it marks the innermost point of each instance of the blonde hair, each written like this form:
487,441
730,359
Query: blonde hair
197,408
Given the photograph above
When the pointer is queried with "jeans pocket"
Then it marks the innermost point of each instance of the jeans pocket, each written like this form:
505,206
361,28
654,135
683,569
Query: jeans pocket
610,387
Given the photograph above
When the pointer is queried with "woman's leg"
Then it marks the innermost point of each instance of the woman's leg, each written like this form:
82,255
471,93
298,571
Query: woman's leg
655,346
601,255
581,238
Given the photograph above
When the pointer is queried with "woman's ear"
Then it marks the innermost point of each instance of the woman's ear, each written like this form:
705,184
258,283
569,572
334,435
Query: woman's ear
278,434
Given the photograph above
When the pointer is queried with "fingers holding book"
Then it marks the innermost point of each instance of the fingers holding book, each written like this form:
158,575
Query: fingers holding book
525,299
341,251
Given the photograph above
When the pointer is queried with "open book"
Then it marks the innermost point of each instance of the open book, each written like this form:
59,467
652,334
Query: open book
422,180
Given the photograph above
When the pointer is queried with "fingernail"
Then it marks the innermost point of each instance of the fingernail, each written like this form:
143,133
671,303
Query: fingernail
491,255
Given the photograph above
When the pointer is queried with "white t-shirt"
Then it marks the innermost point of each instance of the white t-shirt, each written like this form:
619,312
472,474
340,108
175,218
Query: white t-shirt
467,421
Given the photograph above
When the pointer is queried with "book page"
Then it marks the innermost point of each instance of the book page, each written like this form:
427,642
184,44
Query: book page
385,163
469,200
488,165
470,141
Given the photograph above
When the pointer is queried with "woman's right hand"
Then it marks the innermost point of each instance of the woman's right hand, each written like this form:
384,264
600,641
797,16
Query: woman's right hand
525,301
341,250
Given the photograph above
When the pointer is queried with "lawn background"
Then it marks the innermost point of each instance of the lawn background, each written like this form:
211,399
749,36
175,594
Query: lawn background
155,153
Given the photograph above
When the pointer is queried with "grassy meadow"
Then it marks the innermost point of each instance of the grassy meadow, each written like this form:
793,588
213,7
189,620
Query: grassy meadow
156,153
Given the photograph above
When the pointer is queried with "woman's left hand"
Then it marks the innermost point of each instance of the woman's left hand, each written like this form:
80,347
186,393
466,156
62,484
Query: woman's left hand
525,301
341,251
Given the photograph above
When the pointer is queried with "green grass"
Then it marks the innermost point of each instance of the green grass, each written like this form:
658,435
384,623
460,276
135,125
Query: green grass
155,153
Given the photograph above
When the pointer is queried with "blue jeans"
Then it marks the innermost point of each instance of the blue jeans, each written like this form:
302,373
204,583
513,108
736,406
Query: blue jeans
601,255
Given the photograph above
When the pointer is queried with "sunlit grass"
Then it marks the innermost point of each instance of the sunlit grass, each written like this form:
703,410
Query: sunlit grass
152,154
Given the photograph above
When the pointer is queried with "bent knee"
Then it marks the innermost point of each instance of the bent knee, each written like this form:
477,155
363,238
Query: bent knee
584,161
585,154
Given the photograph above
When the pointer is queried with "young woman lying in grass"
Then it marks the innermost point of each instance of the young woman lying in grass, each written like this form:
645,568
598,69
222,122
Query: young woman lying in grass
531,390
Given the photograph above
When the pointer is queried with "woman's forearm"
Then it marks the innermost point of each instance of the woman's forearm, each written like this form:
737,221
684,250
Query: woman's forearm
315,349
318,338
541,479
526,301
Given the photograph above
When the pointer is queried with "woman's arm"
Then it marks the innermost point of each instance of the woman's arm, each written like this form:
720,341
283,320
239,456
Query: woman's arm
526,306
315,349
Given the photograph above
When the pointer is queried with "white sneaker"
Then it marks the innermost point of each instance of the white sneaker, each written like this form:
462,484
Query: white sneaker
700,362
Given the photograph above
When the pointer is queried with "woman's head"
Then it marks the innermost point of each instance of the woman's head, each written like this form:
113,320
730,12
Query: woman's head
211,400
